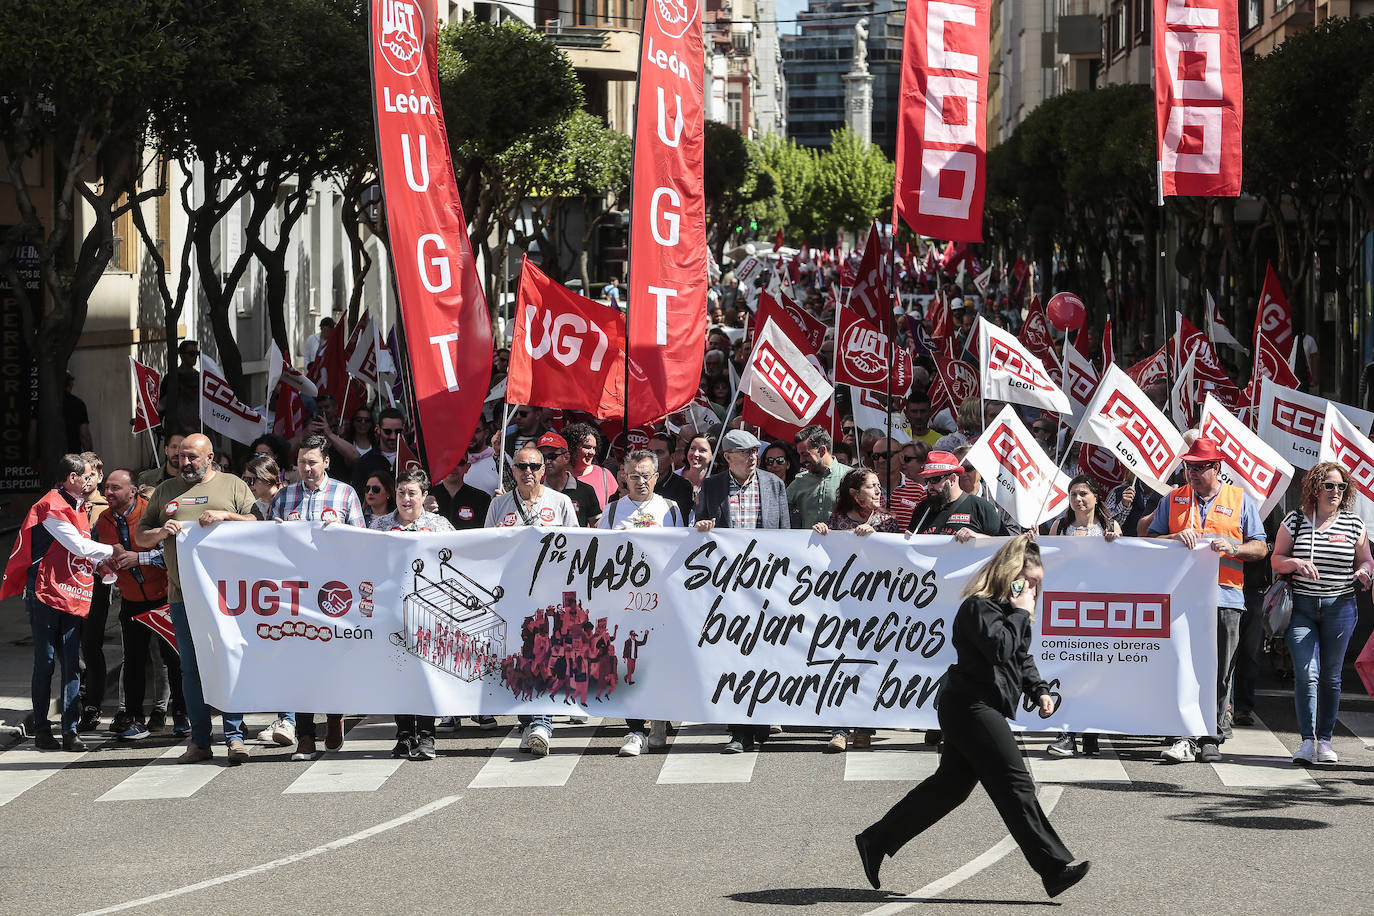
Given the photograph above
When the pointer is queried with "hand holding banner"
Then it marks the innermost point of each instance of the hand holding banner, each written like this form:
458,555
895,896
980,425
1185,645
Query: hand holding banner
1023,479
1122,419
1248,462
1012,373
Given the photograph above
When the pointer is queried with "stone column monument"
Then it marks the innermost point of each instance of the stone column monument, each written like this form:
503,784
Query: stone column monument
858,87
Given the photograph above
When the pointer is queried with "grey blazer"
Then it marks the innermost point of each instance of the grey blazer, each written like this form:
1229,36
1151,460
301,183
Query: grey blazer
713,501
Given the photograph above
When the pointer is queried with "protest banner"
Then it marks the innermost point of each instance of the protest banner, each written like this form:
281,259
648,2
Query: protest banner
731,626
1345,444
1010,372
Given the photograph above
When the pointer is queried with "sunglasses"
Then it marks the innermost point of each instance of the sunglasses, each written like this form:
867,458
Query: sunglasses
847,430
769,462
881,456
1332,487
374,490
390,432
1200,465
528,465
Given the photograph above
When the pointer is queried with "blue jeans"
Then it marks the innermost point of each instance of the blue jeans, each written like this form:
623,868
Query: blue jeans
54,631
196,710
1317,638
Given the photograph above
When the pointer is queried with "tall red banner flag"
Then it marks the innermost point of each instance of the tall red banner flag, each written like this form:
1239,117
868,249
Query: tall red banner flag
148,381
1198,98
444,319
941,133
666,317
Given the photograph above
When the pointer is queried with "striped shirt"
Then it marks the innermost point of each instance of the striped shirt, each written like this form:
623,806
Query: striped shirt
334,501
1332,551
905,498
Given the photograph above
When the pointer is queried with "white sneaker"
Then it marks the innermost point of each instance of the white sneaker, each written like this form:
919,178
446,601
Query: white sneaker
632,746
525,739
1181,751
279,732
1325,752
538,738
1306,753
658,734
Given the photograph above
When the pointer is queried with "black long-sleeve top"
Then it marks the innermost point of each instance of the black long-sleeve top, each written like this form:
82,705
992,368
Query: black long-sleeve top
992,640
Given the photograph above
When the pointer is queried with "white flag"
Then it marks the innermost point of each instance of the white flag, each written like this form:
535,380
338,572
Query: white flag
1012,373
1122,420
781,381
1181,397
1345,444
1248,461
869,413
362,365
983,281
1080,382
1023,479
220,408
1292,422
1217,329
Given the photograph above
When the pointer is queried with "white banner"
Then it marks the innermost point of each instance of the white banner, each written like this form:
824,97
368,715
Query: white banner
1249,462
1345,444
781,381
731,626
869,413
1012,373
1292,422
1124,421
220,408
1024,480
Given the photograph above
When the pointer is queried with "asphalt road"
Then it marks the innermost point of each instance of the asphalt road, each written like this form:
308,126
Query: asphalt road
484,829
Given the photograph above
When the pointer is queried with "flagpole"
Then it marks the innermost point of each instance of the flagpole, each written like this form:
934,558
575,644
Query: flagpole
725,428
891,330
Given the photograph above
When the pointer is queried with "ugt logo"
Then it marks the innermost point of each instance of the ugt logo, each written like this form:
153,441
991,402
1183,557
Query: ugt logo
401,39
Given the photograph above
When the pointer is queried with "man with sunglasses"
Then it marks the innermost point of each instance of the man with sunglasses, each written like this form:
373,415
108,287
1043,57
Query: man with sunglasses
391,426
811,496
557,476
901,494
1206,508
947,509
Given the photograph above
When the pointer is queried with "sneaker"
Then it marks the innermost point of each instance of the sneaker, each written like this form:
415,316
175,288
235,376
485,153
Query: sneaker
305,748
135,732
424,747
1325,752
157,721
487,723
450,723
72,742
837,743
181,726
658,734
1181,751
121,722
1306,752
238,752
405,745
774,730
90,720
44,741
1208,752
1244,717
1066,746
281,732
194,753
863,738
734,747
539,736
632,746
333,734
525,739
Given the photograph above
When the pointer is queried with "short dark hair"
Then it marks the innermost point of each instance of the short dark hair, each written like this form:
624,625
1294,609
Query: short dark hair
70,464
917,397
326,322
390,413
264,468
315,441
816,436
416,476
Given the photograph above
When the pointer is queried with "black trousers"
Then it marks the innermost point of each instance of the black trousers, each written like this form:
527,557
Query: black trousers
93,648
137,640
979,748
749,734
415,725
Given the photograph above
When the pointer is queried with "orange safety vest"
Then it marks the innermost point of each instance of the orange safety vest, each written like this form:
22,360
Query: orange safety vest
1223,519
152,586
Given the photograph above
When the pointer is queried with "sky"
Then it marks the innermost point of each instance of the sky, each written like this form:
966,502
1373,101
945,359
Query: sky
788,9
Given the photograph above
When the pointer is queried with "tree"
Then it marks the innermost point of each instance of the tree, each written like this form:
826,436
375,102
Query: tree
794,168
81,81
735,183
854,182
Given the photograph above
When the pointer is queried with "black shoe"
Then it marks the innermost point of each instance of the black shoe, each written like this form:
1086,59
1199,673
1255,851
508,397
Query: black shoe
1066,746
71,742
405,745
423,747
1243,718
1067,878
121,722
1208,752
1090,745
44,741
871,859
933,737
158,720
90,720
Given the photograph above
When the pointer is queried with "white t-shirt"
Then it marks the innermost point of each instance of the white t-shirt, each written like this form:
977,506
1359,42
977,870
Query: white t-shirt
655,512
550,509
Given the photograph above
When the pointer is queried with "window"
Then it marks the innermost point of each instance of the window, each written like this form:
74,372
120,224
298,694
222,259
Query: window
1117,27
1251,13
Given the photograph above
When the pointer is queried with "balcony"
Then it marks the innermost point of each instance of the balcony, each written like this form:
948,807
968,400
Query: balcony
597,49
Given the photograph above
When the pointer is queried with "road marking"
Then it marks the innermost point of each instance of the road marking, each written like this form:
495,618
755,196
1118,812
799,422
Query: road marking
509,767
164,778
23,768
1105,767
695,757
1255,758
287,860
1049,797
361,765
891,761
1361,725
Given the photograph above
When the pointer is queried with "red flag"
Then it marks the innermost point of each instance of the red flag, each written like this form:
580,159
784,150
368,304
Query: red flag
812,328
1020,272
329,371
941,322
1189,340
863,357
1103,466
289,418
668,276
1152,369
941,132
159,620
777,239
1198,98
567,350
406,459
1274,320
1035,334
755,415
869,296
443,311
1108,356
955,381
147,384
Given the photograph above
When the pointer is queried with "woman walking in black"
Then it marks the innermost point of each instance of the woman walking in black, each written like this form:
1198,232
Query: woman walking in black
991,635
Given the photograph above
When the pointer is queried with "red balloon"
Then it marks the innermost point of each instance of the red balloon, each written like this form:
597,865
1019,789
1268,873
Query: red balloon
1066,312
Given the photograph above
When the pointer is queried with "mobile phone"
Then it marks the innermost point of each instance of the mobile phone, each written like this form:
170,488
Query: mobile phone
1017,587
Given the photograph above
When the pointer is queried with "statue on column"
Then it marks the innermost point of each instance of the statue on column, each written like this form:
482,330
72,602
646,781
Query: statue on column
861,46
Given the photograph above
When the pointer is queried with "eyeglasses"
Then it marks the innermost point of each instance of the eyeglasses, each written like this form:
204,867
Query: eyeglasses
528,465
374,490
769,462
1333,487
390,432
881,456
1199,465
638,476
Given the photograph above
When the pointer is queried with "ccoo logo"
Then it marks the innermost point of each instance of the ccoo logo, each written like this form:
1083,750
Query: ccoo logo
401,39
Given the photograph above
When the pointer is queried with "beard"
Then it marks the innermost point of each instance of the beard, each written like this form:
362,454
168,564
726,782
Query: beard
193,474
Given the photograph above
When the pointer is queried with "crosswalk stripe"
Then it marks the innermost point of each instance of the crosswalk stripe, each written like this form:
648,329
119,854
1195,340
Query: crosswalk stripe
891,761
509,767
695,757
363,764
1361,725
23,768
164,778
1105,767
1255,758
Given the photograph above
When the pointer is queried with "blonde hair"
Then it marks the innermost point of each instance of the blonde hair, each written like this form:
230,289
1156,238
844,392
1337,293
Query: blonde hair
995,578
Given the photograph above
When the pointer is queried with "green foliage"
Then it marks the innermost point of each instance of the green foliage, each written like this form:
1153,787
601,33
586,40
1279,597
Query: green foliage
739,186
853,183
795,168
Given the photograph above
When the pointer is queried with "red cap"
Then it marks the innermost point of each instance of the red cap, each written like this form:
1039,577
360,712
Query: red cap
1203,449
551,439
938,464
